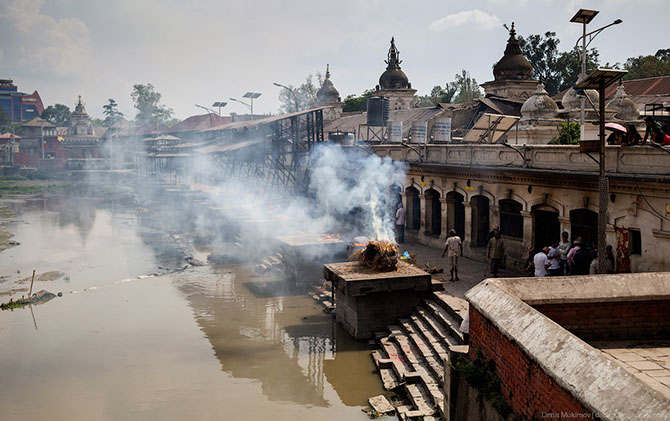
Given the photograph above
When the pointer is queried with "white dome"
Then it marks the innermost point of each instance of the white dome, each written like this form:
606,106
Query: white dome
539,105
571,101
625,108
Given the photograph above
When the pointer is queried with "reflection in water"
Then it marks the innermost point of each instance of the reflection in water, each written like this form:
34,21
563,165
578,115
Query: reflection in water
284,340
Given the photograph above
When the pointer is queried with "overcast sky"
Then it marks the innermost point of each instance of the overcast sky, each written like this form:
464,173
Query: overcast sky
202,51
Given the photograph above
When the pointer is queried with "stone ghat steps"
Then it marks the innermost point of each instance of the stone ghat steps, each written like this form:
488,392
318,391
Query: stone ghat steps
411,357
322,294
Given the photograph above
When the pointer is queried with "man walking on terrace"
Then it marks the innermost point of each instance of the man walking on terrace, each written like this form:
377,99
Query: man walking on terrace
454,247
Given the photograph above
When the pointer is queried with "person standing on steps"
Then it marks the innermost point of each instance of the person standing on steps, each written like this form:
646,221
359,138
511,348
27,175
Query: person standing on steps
453,248
495,251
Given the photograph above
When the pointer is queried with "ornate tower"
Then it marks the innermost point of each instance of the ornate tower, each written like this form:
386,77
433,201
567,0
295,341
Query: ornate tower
393,83
327,94
513,74
80,122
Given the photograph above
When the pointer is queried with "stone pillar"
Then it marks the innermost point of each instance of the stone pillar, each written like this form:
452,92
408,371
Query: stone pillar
422,226
527,229
494,216
565,225
403,200
468,224
443,209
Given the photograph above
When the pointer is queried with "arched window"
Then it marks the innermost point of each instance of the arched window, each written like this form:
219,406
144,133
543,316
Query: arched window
480,220
511,221
584,223
433,212
413,211
456,213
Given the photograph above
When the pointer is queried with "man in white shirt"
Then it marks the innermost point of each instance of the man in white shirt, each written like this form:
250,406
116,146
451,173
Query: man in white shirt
554,257
541,262
454,246
400,224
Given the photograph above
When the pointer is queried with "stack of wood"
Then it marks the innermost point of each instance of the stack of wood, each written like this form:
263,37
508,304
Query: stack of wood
381,256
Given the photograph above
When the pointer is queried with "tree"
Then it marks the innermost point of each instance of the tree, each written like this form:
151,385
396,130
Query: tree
466,87
437,94
5,121
58,115
648,66
112,115
301,97
542,53
353,103
568,134
146,101
570,65
557,70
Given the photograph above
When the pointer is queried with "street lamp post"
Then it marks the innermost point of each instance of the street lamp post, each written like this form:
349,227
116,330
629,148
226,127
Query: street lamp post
600,80
245,104
251,96
585,16
210,112
219,104
292,91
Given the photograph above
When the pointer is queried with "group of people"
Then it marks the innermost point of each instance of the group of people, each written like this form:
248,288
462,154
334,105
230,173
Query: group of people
563,258
654,133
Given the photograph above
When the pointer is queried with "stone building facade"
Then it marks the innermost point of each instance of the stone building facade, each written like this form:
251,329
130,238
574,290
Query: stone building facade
535,194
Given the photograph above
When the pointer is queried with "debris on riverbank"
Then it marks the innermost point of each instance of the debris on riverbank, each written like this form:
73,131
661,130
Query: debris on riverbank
43,277
39,297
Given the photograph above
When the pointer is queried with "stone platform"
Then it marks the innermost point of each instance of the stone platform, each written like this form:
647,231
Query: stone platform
367,300
305,254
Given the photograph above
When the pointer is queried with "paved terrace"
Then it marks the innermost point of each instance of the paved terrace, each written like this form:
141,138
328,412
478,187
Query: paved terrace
639,162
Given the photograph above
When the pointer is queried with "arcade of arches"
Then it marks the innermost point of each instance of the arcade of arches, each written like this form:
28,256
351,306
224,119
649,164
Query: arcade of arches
529,218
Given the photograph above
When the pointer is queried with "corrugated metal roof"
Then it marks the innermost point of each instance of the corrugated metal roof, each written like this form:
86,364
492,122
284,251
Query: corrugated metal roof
199,122
650,86
351,123
265,120
218,148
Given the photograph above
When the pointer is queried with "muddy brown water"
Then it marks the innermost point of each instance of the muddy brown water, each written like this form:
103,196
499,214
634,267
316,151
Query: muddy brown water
203,343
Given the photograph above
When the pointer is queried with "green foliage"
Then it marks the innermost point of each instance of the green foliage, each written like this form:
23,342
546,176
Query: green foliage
146,101
558,71
7,125
58,115
568,134
570,66
112,114
301,97
482,376
5,121
354,103
437,94
466,87
648,66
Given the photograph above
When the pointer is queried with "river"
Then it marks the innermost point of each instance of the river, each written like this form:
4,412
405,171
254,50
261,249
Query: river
207,342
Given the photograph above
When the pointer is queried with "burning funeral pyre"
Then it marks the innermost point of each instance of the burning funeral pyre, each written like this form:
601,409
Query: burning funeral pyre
381,256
